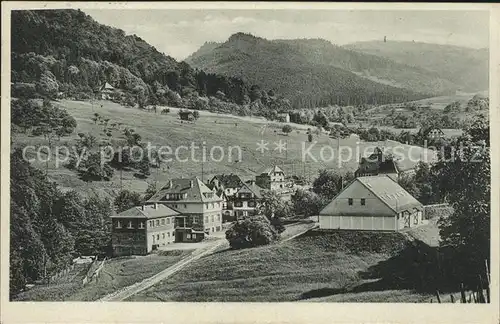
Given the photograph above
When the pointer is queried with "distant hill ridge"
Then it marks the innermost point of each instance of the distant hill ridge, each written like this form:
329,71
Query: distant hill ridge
466,67
301,70
312,70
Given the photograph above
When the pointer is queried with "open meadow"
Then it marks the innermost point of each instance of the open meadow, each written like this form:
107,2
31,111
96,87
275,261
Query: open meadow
316,266
228,132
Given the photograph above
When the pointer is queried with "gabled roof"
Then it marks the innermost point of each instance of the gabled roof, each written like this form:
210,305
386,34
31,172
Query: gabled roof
270,170
390,192
251,188
107,86
193,189
405,158
228,180
426,130
147,211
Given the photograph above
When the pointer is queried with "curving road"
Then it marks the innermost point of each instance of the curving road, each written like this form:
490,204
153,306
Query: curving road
131,290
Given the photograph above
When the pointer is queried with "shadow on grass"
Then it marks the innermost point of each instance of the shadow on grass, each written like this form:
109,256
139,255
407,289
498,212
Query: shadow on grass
417,267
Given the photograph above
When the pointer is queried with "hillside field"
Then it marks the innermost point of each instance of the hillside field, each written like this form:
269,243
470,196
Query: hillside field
317,266
116,274
209,130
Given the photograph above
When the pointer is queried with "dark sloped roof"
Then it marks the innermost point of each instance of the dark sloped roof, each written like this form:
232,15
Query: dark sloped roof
270,170
194,189
228,180
425,131
405,158
251,188
149,212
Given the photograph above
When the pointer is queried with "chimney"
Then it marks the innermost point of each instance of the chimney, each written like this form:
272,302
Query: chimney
170,183
155,205
142,207
190,183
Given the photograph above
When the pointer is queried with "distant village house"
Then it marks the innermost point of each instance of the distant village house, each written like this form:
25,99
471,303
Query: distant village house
106,91
247,199
271,178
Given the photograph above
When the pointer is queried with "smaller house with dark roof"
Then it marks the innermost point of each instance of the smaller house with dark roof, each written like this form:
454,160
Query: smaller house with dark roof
226,186
383,162
141,229
106,90
431,133
247,199
228,183
271,178
377,163
372,204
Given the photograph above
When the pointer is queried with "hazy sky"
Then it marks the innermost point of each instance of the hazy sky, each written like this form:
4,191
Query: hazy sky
179,33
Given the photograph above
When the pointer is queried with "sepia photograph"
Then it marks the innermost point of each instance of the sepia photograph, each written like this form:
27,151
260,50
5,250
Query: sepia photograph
214,155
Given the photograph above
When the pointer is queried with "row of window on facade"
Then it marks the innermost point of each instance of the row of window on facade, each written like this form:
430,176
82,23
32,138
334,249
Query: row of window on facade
207,206
161,222
212,218
152,223
128,224
176,196
240,204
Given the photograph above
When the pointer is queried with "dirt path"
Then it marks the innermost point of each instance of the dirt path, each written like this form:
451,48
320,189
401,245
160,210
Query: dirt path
299,231
131,290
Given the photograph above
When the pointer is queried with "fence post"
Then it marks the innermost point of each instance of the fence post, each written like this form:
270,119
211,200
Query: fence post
487,271
481,291
462,293
438,297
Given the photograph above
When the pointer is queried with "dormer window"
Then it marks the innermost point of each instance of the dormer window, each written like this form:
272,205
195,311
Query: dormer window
141,225
118,224
130,225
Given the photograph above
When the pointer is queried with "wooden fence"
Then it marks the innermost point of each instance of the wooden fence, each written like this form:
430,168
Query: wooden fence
480,295
61,273
93,272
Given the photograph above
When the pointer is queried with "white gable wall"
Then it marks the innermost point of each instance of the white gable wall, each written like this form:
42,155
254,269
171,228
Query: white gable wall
374,215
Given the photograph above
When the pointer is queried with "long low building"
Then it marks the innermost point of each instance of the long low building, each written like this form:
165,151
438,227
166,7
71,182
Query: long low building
374,203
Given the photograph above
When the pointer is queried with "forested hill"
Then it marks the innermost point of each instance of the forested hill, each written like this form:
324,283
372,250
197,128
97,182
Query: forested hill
372,67
67,52
309,75
465,67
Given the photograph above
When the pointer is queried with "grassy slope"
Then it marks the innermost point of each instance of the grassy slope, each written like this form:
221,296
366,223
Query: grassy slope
117,273
343,266
168,130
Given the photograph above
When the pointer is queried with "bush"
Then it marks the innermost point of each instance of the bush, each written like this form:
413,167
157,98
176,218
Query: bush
286,129
251,232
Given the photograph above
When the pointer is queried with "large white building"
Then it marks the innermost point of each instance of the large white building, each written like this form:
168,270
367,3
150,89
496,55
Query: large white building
200,208
372,203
